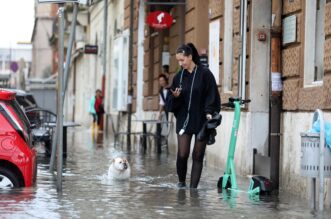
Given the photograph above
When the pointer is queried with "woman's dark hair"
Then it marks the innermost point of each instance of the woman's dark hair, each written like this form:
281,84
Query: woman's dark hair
165,68
189,49
164,77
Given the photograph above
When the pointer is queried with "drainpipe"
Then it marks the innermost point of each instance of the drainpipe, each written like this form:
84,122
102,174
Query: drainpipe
74,90
242,57
275,103
130,93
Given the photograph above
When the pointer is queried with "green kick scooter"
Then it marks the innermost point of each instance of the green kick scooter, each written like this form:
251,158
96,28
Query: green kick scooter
228,181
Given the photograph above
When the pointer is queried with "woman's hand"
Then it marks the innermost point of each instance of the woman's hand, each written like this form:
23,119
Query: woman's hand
176,92
208,116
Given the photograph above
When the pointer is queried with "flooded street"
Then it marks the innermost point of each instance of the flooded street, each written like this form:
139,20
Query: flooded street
151,191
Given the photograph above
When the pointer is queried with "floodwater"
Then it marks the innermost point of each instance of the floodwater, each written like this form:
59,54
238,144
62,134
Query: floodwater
151,191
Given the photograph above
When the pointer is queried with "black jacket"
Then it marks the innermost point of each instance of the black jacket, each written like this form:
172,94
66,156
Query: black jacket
205,99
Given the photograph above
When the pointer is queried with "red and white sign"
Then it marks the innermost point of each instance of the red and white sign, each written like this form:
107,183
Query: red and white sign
159,19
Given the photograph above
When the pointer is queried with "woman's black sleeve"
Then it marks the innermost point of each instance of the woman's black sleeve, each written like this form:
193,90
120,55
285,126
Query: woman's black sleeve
173,103
213,100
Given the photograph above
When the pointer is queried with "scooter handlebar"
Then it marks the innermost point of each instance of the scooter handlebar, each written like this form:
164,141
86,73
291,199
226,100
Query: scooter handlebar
232,100
245,101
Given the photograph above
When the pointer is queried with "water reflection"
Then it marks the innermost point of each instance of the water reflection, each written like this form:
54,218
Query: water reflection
151,192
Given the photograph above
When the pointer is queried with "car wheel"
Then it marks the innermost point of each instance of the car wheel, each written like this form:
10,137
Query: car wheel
8,179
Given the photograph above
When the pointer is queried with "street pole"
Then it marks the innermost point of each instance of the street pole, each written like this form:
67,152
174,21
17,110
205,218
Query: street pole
71,41
130,74
59,121
65,79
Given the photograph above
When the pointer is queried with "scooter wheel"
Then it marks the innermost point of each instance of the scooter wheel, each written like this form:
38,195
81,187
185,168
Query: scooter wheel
219,184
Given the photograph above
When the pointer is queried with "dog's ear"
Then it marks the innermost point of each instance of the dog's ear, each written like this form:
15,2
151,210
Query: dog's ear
113,160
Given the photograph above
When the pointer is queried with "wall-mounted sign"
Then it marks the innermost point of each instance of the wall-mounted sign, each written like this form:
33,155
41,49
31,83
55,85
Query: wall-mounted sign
276,81
289,29
91,49
14,66
159,19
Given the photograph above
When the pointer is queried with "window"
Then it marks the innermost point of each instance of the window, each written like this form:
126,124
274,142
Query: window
120,62
314,43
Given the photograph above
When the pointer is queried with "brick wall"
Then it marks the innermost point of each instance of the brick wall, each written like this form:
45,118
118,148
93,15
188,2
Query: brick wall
296,97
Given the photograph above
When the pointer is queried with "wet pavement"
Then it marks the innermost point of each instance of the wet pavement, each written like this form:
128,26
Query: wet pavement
151,191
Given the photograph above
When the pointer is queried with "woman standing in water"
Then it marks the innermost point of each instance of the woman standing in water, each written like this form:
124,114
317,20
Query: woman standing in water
193,99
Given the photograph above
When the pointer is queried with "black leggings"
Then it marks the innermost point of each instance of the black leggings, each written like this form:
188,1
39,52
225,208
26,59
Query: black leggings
199,149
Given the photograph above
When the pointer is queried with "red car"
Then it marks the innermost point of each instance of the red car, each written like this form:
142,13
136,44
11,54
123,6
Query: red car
18,164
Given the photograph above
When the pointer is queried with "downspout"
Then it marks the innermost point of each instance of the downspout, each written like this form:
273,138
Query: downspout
242,56
74,89
130,93
275,102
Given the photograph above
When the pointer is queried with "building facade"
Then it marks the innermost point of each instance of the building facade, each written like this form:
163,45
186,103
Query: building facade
275,53
306,64
15,65
213,27
44,61
287,62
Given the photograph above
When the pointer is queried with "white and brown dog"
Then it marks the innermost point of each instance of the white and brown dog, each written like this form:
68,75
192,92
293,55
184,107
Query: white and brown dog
119,169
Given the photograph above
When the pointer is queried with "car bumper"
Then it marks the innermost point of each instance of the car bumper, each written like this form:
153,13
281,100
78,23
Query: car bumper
30,170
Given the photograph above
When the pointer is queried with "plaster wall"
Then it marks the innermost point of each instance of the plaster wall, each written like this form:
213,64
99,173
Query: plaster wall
290,178
88,70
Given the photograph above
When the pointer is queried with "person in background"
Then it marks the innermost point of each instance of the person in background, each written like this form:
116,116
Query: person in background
163,92
165,70
193,99
96,109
